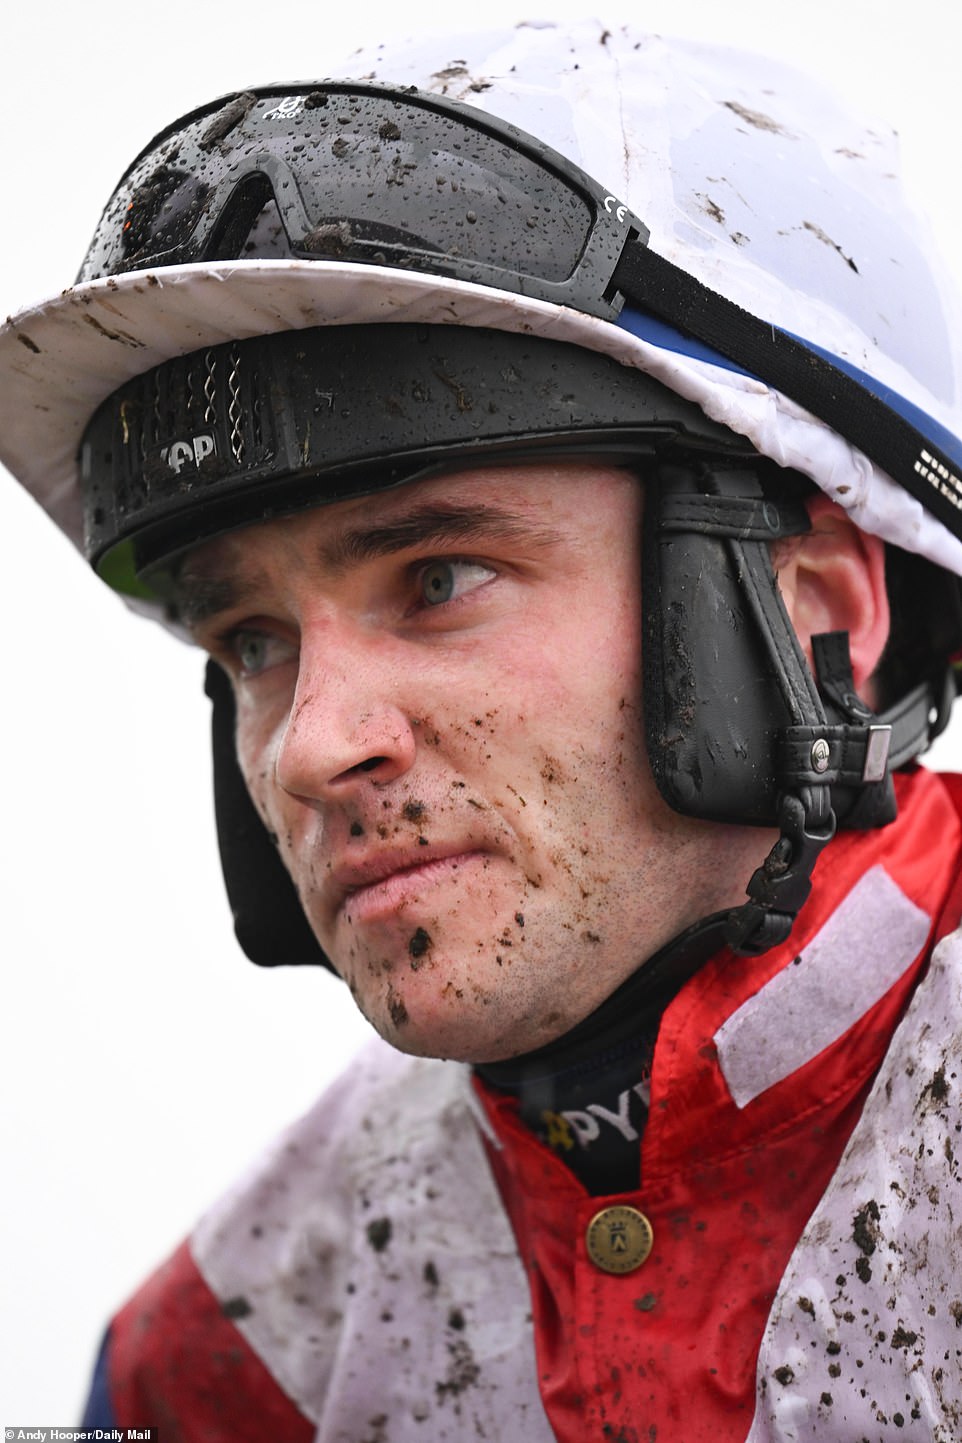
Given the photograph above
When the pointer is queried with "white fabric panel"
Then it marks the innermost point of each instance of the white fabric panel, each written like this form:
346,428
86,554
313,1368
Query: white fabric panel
378,1265
863,949
864,1340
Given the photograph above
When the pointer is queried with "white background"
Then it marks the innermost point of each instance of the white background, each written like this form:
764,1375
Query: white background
144,1060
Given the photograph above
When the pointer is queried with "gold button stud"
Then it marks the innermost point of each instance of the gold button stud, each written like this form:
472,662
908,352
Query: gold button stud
619,1239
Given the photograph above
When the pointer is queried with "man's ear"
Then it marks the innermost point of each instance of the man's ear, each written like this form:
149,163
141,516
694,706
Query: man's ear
833,579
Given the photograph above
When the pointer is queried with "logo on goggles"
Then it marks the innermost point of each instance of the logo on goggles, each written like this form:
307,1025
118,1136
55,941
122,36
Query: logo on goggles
287,109
614,207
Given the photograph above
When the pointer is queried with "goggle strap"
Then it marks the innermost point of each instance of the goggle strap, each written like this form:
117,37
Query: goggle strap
918,464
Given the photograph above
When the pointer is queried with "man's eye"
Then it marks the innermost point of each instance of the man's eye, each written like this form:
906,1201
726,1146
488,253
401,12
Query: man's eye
255,651
443,581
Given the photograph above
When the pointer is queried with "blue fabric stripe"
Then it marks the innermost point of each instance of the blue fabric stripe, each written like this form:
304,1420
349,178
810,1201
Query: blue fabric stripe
99,1410
927,425
658,333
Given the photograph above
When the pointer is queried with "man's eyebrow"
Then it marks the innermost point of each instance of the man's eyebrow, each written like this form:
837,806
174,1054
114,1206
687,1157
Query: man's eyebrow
430,524
193,597
196,595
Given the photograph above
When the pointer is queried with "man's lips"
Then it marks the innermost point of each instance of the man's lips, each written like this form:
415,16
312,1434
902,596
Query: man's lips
383,881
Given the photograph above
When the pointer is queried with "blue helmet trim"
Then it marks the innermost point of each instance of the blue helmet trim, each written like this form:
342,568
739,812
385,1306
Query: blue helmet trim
927,425
658,333
668,338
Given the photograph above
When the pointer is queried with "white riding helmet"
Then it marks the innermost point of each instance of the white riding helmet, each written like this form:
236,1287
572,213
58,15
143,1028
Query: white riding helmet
682,257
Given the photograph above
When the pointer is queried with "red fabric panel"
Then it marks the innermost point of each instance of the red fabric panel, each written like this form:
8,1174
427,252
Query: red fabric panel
178,1364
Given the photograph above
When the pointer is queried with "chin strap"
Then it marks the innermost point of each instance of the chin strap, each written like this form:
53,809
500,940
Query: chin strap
780,887
841,775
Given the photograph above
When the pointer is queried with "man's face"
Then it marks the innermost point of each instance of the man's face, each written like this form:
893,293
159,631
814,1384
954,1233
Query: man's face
438,697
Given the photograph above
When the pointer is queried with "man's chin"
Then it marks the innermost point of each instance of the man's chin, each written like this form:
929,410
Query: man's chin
439,1015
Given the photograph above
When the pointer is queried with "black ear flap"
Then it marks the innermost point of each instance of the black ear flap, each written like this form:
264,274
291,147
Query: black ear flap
269,922
723,671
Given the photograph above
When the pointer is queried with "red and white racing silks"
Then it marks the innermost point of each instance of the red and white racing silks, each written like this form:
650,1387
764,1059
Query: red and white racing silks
408,1264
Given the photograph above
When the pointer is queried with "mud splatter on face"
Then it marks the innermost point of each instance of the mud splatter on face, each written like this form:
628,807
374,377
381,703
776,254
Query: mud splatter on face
550,865
418,947
396,1008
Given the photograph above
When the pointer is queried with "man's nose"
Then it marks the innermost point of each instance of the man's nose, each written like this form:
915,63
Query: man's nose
346,725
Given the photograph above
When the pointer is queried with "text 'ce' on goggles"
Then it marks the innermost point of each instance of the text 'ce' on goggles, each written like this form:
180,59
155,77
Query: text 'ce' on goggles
345,171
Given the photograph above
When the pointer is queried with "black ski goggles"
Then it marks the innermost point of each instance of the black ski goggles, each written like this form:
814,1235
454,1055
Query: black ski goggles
362,172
